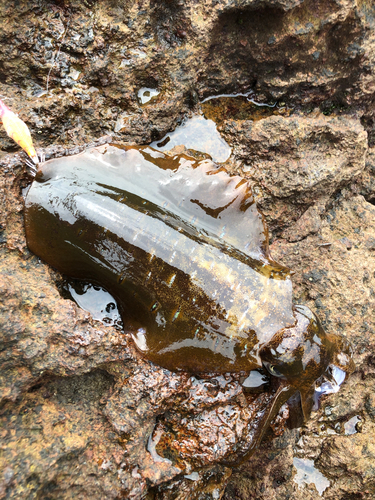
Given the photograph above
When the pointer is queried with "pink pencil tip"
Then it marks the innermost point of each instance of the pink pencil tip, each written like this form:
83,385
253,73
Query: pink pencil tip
3,108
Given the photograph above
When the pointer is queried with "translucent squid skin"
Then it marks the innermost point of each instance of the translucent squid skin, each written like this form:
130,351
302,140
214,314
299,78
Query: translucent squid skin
182,247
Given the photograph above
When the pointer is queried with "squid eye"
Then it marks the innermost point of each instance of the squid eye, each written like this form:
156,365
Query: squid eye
272,369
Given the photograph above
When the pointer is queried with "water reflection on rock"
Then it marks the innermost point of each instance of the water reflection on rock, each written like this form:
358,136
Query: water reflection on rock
199,134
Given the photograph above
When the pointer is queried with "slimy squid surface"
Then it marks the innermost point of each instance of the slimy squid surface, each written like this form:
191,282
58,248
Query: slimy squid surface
183,248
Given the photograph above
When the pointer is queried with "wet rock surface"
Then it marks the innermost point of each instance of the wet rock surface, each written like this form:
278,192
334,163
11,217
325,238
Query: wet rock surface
335,272
82,415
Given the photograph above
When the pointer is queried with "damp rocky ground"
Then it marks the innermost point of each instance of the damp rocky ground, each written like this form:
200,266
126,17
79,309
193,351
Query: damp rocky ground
82,414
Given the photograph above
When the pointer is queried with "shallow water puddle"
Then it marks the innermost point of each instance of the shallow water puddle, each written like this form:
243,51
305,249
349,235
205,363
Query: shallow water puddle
95,300
199,134
146,94
352,425
200,131
307,473
255,382
239,107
